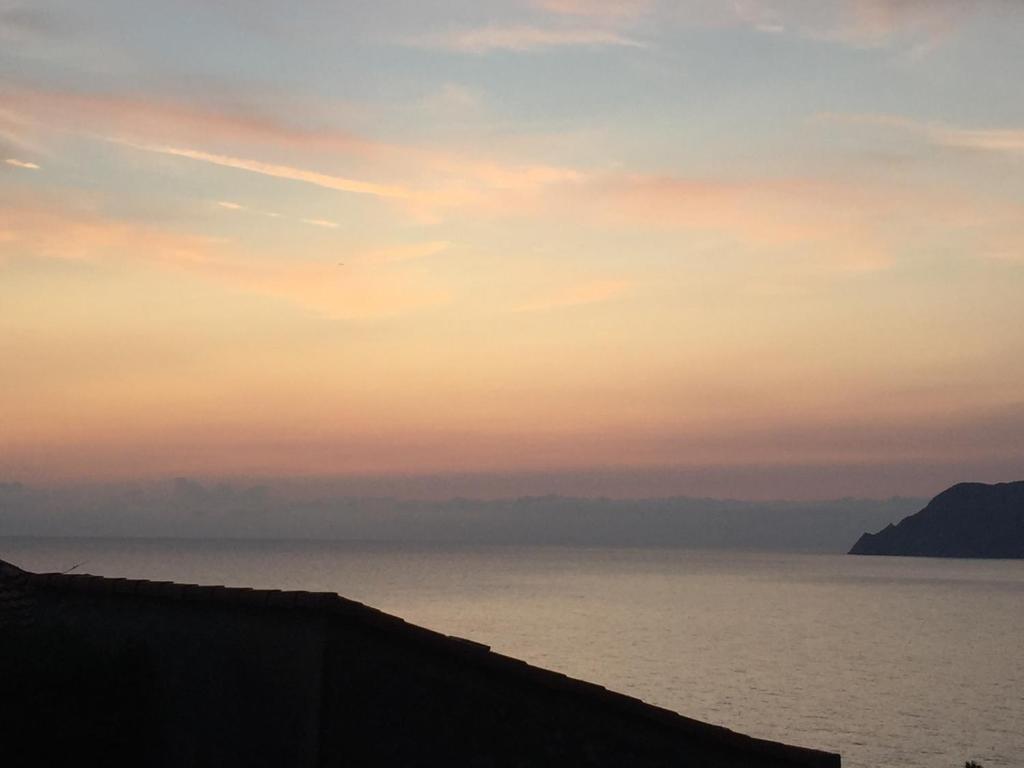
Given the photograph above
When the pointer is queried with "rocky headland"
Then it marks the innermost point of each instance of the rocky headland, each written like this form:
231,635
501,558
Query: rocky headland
967,520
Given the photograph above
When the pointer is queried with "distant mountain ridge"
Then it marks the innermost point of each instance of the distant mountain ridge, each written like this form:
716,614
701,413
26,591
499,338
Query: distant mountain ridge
185,508
967,520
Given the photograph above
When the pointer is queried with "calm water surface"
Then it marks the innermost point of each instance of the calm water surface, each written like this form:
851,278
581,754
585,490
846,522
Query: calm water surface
890,661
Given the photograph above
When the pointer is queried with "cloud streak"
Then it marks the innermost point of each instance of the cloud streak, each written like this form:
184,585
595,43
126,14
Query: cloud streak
444,193
1004,141
770,215
427,180
1008,141
21,164
523,38
229,206
147,118
318,287
859,23
601,9
43,231
327,181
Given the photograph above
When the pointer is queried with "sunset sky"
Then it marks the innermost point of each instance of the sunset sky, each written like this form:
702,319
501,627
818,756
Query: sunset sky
351,238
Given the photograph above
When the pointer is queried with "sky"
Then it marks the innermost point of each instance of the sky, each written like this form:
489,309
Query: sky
780,244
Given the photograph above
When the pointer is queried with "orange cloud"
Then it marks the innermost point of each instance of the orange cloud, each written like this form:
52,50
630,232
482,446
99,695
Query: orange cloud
323,288
834,225
771,214
844,223
335,291
85,236
874,22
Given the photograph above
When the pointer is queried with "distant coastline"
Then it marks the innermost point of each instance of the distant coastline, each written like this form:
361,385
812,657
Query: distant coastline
185,508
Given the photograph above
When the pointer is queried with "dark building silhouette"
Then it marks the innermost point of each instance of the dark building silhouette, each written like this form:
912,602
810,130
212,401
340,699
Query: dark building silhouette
102,671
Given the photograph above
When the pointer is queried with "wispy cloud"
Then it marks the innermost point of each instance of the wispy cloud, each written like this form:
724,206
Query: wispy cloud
817,227
43,231
18,131
327,181
21,164
336,292
590,292
993,140
762,213
602,9
467,184
523,38
916,26
1002,140
921,24
429,180
230,206
159,120
319,287
875,22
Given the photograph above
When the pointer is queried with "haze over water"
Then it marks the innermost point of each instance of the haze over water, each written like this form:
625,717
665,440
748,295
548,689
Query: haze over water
890,661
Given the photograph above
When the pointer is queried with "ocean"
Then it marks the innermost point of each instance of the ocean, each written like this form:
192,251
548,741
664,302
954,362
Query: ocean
890,661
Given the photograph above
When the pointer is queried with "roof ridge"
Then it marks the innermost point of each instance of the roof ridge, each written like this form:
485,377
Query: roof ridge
469,650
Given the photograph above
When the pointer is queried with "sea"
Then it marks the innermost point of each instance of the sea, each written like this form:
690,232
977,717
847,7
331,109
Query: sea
893,662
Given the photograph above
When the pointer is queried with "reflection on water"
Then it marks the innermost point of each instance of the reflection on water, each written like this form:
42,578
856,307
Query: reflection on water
891,661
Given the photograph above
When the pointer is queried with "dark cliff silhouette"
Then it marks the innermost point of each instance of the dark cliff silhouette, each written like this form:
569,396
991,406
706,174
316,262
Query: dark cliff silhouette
967,520
102,672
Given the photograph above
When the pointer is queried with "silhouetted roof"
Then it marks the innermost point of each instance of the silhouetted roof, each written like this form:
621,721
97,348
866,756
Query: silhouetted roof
464,651
15,600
